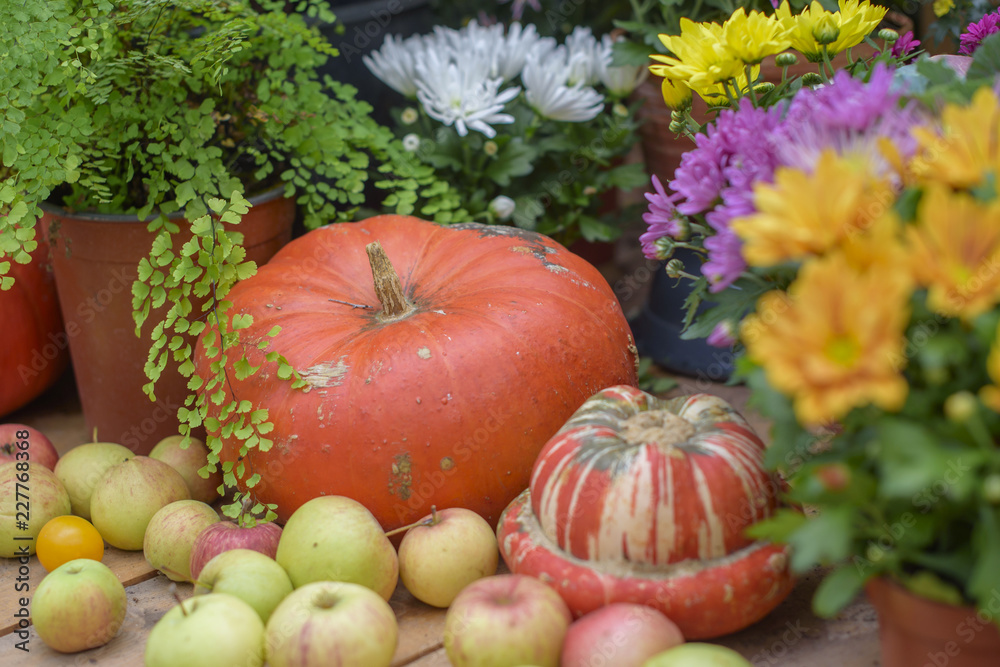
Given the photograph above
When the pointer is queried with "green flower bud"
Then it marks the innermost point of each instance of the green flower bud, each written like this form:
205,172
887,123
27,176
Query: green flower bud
490,148
991,489
763,88
888,35
826,30
675,268
620,110
665,247
677,127
812,79
960,406
677,115
785,59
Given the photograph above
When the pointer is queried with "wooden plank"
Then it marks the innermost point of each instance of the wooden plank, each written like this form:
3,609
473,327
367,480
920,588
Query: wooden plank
130,567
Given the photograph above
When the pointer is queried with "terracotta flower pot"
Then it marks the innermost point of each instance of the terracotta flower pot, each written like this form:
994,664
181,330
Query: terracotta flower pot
95,259
915,631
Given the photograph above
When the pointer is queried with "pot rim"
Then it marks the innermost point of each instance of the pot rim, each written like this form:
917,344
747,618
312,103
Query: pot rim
889,582
91,216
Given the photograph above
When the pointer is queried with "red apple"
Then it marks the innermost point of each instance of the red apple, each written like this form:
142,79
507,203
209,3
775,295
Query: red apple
506,619
188,461
625,634
227,535
446,552
40,449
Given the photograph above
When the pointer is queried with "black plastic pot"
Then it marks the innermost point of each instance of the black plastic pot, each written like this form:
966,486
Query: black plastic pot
657,330
365,26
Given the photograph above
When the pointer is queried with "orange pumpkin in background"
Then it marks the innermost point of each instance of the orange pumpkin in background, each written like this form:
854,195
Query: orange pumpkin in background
440,391
33,346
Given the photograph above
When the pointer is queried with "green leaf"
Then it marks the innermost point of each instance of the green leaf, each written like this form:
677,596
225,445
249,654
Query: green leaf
825,538
513,160
910,457
986,60
837,590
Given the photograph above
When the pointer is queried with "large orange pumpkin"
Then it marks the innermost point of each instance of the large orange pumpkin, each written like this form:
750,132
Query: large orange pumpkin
33,345
444,395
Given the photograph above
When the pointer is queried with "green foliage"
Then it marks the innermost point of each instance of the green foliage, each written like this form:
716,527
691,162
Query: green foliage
914,495
187,107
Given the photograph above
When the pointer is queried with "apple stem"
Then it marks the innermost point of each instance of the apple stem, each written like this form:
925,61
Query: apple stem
95,434
431,521
173,591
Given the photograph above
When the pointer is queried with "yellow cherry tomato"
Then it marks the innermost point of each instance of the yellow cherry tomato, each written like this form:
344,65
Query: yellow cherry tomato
67,538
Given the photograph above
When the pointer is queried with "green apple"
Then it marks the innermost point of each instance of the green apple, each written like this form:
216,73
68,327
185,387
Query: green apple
696,654
506,619
170,536
207,631
82,467
127,497
251,576
78,606
333,538
445,553
30,495
329,618
188,461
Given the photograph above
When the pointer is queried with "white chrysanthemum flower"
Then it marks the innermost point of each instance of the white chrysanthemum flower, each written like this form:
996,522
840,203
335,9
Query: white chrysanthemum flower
394,62
518,43
502,207
584,55
546,90
619,80
462,93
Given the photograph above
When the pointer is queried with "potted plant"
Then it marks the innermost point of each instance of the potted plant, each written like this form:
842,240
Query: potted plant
168,125
531,132
849,238
711,179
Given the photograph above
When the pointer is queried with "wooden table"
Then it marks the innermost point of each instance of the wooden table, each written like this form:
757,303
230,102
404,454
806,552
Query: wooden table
790,637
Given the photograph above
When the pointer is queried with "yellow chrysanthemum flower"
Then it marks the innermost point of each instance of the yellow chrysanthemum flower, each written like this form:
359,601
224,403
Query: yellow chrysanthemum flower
857,20
853,21
702,60
942,7
755,36
955,252
803,214
676,94
834,341
966,147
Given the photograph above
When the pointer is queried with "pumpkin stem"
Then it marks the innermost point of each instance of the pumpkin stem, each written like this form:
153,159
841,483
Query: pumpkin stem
388,289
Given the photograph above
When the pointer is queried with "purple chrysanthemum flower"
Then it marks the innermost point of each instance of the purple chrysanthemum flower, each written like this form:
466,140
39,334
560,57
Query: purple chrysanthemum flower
725,261
699,179
848,116
722,335
517,10
975,33
905,45
662,218
736,138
